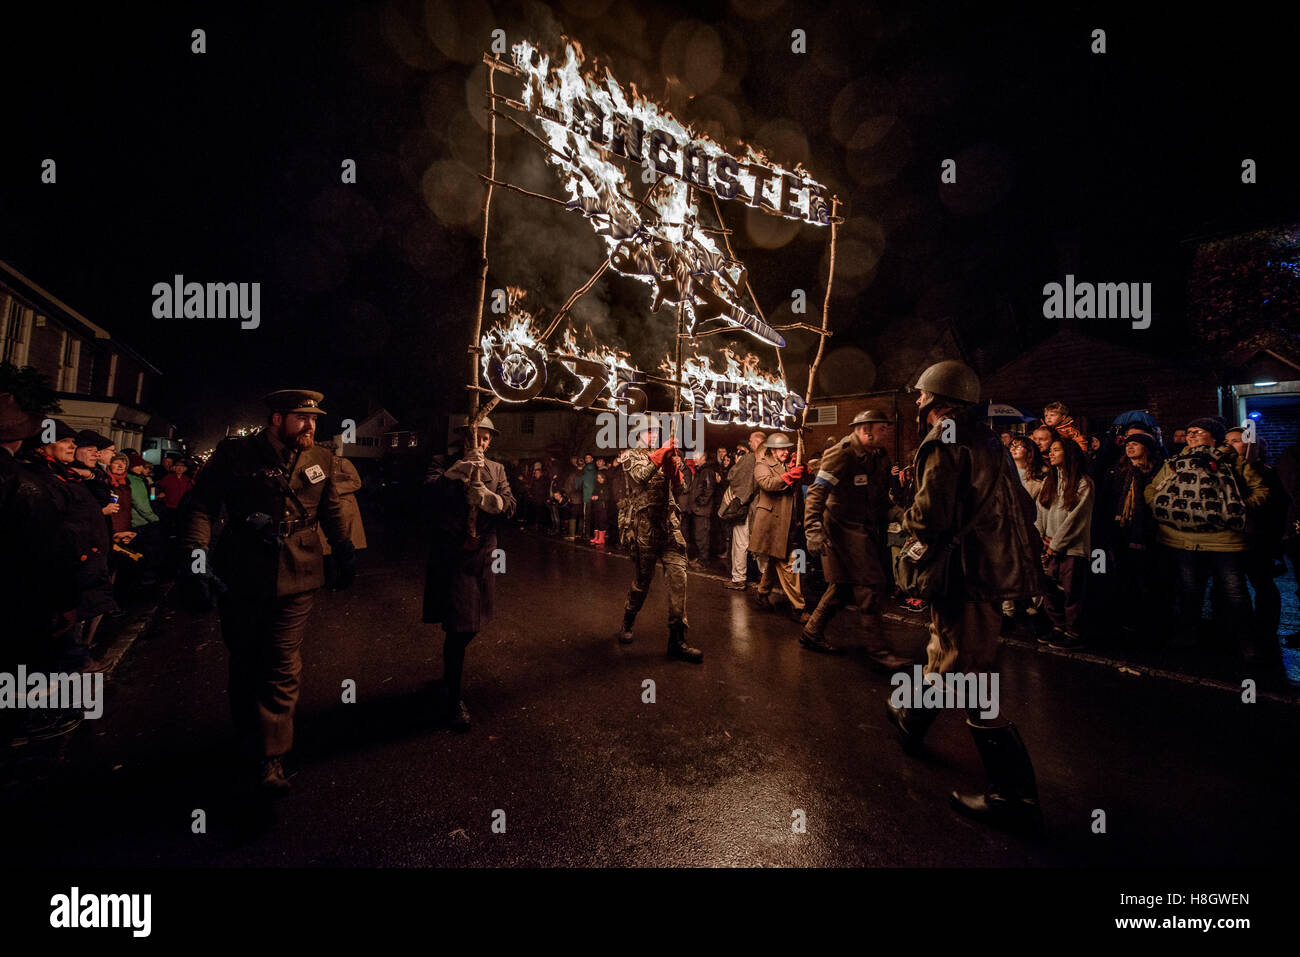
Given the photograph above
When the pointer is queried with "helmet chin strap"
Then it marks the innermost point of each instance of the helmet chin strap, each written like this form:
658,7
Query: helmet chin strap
923,417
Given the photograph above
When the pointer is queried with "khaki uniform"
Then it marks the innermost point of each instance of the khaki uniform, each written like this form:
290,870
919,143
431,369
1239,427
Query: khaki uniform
849,503
278,500
656,536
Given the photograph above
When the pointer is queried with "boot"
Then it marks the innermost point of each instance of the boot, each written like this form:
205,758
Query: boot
271,776
1011,799
600,537
679,649
456,716
625,636
818,643
912,724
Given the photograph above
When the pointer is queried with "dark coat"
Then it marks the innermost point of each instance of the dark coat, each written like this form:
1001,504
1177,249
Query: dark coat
1001,556
849,499
459,584
250,557
697,496
42,581
85,533
1141,526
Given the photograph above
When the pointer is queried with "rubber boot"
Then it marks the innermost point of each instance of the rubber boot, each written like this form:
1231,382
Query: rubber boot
1011,799
679,649
912,724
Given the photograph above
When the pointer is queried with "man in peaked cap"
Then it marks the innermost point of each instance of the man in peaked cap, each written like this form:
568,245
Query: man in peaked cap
278,489
845,519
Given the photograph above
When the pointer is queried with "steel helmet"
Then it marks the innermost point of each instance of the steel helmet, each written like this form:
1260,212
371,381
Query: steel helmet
778,440
484,423
870,417
952,380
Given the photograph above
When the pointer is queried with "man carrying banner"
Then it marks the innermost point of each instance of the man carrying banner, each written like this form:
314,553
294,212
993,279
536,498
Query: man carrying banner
649,527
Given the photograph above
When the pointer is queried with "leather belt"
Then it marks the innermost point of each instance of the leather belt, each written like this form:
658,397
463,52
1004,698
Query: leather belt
291,526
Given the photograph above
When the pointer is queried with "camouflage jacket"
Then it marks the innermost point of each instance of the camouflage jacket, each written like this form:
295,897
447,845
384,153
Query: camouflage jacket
649,502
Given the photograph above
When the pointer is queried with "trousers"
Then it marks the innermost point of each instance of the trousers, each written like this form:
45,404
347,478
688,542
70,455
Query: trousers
264,639
963,638
781,570
739,552
645,556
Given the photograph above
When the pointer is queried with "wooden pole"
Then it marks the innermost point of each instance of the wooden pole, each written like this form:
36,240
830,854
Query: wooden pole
474,415
821,341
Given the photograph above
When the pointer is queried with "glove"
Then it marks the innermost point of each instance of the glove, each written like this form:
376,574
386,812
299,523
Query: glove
200,591
816,538
463,470
345,563
796,473
478,496
667,453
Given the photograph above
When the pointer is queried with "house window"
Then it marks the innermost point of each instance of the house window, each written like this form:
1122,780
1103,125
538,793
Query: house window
527,425
112,374
394,442
412,442
17,330
71,361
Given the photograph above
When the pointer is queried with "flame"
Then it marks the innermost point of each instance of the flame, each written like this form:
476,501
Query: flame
663,246
767,394
517,332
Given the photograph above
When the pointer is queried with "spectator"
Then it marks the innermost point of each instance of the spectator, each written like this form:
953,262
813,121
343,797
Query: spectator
38,590
587,490
740,481
1056,415
1064,522
719,531
1043,437
1200,499
696,504
1263,547
144,521
1177,442
1288,476
1029,464
87,535
600,500
172,489
1129,531
539,497
1032,469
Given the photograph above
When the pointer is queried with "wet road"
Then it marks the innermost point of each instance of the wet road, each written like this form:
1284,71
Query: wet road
587,773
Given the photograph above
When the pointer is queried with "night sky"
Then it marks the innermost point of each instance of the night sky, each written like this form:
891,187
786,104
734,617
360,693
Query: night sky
226,167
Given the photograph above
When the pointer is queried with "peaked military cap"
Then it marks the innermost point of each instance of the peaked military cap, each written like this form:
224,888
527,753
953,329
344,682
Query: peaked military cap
291,401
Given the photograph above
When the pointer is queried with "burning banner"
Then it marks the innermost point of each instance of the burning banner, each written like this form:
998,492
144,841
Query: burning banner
588,127
518,367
